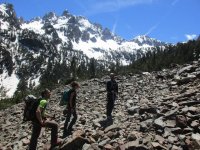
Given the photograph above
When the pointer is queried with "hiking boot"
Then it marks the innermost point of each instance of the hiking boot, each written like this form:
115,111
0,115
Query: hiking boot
59,142
66,133
69,131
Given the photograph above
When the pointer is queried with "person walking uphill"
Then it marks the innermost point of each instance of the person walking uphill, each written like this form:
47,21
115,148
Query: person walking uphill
112,91
41,121
71,109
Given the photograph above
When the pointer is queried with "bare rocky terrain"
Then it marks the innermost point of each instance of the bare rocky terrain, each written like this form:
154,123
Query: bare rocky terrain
157,110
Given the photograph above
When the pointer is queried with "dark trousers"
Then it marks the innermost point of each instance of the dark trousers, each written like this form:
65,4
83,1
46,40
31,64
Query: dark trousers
67,120
36,133
110,104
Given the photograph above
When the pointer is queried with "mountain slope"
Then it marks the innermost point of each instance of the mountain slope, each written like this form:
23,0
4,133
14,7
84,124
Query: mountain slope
158,110
45,49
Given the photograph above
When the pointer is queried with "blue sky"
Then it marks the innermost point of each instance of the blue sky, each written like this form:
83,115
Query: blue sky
166,20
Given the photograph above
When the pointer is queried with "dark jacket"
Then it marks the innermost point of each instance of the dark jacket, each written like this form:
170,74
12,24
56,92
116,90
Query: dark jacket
112,86
73,100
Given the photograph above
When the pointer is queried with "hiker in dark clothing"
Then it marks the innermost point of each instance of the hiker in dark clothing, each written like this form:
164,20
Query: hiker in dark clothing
112,91
41,121
71,109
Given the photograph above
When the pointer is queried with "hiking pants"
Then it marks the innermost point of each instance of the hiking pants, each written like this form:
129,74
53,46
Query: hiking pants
36,133
110,104
67,120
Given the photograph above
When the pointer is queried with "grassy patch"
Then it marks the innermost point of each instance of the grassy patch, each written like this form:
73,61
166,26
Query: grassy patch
5,103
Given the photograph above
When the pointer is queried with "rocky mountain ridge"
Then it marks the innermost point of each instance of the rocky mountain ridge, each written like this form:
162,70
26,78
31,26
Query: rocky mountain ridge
157,110
31,50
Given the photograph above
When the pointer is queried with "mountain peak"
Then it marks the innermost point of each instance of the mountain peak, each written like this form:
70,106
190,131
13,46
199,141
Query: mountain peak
8,17
3,9
66,13
50,16
144,39
198,38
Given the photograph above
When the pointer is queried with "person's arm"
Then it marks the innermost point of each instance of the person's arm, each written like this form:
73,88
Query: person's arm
39,115
71,100
108,87
117,88
41,111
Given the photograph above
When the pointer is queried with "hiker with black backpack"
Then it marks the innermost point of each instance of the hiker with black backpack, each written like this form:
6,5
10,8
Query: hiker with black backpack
70,109
112,91
40,121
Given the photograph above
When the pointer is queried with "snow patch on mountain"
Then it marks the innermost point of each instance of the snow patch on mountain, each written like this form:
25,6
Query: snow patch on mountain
9,83
4,25
3,10
35,25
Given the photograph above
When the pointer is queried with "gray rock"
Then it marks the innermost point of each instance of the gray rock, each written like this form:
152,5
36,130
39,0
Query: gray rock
159,123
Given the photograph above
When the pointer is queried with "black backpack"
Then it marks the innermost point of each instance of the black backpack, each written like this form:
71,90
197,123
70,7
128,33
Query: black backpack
31,104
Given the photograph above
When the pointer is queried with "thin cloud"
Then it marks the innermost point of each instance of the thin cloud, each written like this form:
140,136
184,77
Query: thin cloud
152,29
163,18
174,2
113,5
114,27
190,36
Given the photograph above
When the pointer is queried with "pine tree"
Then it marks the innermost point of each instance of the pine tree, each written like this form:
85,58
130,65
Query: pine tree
92,68
73,67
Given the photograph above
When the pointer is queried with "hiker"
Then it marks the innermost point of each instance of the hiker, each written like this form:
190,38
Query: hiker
41,121
112,91
71,109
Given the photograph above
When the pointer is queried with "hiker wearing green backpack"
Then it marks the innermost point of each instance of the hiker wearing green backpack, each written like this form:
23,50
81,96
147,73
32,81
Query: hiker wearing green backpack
71,109
40,121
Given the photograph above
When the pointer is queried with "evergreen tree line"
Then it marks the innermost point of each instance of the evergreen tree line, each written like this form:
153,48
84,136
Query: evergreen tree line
59,74
164,58
76,69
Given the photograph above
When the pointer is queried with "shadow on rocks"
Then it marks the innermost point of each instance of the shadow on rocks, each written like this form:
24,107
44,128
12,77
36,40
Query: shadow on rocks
105,123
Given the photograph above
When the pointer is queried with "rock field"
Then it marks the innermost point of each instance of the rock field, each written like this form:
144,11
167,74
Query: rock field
157,110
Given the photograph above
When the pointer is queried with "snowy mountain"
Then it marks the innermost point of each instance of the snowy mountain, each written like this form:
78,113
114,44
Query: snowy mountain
43,49
91,39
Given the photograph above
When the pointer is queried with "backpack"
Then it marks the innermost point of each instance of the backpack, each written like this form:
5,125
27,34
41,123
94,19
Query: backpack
31,104
65,97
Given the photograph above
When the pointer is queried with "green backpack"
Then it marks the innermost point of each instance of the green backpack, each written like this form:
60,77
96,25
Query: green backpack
65,97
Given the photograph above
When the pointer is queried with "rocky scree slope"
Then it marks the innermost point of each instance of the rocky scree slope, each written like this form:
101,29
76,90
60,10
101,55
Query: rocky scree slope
158,110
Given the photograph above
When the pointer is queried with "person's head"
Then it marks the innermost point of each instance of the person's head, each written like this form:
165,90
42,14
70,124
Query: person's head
75,85
46,93
112,76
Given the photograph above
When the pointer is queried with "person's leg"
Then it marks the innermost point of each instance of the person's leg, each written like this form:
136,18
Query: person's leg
112,103
66,123
54,131
73,120
34,137
109,105
108,112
